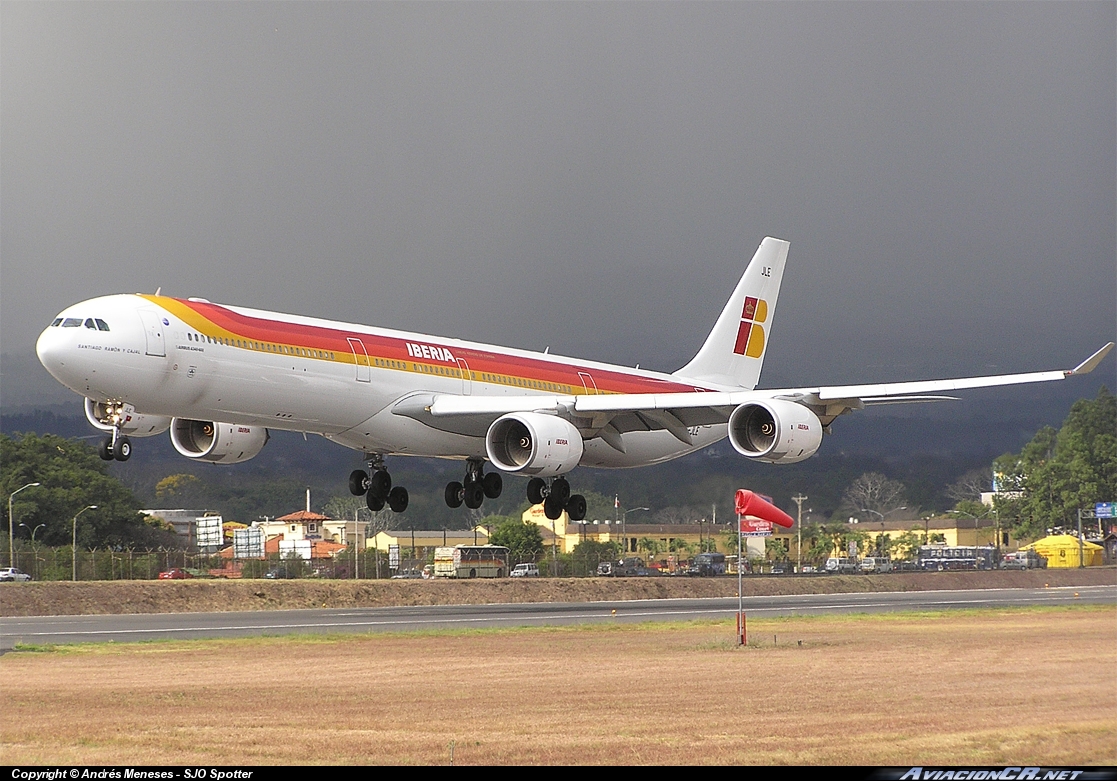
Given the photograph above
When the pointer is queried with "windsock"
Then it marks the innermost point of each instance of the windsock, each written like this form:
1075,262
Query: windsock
748,503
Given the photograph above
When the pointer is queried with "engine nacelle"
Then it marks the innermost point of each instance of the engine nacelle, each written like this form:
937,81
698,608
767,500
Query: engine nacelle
775,430
533,444
218,443
107,415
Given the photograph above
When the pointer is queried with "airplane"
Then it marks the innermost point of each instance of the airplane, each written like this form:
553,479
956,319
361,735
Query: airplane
219,377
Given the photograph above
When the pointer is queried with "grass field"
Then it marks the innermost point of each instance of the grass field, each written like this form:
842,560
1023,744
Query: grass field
1025,686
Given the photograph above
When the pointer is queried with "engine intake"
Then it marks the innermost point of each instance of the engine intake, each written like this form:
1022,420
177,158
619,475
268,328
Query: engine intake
774,430
106,416
533,444
218,443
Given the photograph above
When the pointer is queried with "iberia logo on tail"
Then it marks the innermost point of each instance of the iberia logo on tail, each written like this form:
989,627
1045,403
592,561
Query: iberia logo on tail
750,334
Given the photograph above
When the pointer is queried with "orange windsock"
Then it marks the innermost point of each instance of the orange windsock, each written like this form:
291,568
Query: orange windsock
748,503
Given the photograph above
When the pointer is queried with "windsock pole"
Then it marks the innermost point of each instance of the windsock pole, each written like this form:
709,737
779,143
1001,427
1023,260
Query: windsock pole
742,637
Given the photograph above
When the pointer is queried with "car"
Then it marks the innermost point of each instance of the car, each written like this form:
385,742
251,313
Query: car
524,571
276,573
174,573
11,575
782,568
408,574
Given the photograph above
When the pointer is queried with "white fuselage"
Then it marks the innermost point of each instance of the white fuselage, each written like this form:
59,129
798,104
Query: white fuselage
196,360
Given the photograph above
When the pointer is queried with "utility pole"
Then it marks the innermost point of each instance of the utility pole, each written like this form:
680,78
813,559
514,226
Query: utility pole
799,529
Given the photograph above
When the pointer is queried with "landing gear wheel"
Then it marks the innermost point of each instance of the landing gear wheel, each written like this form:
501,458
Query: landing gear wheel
397,499
105,450
380,483
358,482
454,494
474,494
535,488
552,508
122,450
576,507
560,490
493,484
374,502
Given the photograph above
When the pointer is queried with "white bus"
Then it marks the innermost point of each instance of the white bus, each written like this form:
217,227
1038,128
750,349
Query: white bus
471,561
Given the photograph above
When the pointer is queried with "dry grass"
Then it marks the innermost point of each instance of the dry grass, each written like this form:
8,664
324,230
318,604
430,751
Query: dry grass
981,687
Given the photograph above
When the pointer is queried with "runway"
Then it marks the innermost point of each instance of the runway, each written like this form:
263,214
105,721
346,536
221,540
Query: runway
43,630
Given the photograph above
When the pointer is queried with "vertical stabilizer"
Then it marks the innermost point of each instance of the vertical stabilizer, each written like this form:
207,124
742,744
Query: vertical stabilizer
733,353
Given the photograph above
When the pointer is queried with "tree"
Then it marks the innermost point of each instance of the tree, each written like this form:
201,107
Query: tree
1059,472
72,477
970,486
523,540
873,491
649,545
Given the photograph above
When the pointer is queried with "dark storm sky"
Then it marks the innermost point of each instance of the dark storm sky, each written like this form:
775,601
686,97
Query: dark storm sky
589,177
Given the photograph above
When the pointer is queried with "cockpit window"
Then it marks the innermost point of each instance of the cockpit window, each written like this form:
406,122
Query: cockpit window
90,324
71,322
101,324
57,322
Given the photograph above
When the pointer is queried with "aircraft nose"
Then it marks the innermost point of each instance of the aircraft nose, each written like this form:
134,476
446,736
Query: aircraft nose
51,351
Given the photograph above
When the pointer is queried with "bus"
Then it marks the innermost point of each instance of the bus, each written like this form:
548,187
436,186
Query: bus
471,561
944,557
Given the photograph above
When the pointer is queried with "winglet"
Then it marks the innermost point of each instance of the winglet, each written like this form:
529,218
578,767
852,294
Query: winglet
1091,363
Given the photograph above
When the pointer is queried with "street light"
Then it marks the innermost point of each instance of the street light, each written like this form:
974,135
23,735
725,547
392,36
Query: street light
74,554
624,520
40,526
11,528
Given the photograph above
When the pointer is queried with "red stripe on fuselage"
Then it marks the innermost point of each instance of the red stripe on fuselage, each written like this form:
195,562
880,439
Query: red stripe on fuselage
480,359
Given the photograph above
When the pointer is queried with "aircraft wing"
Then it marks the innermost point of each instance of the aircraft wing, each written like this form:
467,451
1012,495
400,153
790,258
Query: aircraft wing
609,415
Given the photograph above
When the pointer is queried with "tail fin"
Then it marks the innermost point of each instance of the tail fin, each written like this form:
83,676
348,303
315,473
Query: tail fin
734,351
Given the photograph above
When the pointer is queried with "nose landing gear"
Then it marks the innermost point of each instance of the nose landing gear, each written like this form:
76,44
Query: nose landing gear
556,498
377,487
115,446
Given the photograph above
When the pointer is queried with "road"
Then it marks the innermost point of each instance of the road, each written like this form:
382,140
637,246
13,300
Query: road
39,630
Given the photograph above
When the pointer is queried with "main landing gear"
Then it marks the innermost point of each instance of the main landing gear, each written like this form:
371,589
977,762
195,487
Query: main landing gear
377,487
115,446
475,487
555,498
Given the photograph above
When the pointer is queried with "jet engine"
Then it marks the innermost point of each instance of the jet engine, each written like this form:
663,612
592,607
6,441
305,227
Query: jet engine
774,430
533,444
108,415
218,443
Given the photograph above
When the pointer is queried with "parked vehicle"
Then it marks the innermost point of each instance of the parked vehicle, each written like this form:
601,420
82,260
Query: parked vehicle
471,561
624,568
524,571
1023,559
944,557
707,565
12,575
408,574
783,568
280,573
840,566
174,574
876,564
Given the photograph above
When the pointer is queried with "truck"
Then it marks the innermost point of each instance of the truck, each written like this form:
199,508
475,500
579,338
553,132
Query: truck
1023,559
